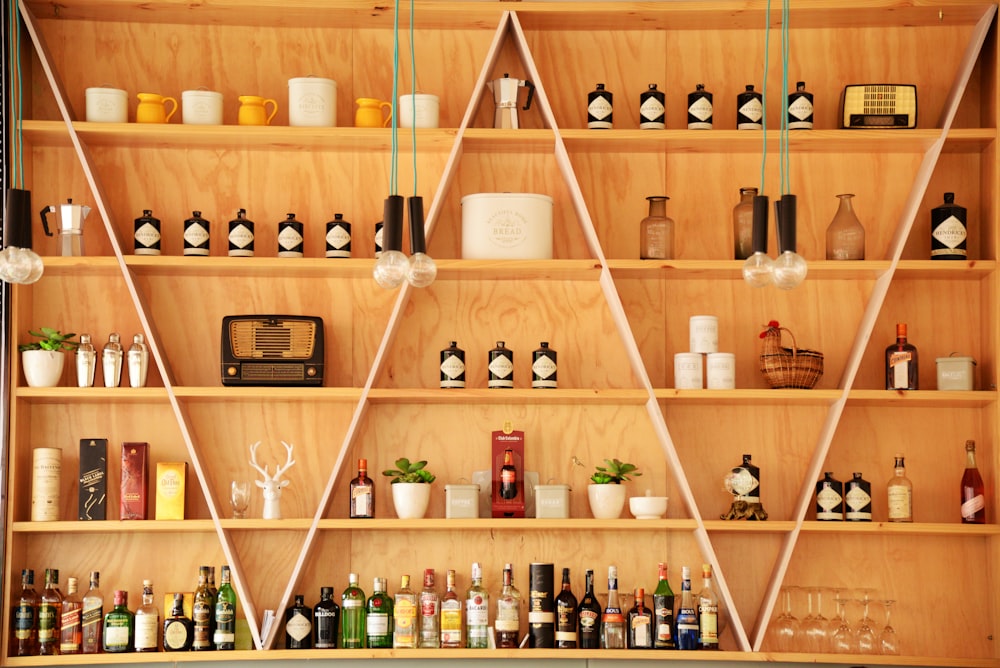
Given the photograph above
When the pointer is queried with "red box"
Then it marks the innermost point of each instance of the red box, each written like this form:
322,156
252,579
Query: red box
135,480
504,440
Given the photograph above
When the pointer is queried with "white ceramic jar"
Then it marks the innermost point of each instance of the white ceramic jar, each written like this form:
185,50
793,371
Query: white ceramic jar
106,105
312,102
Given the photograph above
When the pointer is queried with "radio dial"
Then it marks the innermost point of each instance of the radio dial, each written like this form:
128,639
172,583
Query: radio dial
231,371
311,371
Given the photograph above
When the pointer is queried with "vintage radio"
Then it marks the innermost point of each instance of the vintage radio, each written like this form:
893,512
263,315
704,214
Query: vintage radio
272,350
879,106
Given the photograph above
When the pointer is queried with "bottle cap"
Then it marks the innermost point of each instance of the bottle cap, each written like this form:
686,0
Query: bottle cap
363,464
901,329
326,592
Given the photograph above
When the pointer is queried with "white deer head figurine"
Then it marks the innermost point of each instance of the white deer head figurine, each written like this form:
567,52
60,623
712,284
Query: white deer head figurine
271,485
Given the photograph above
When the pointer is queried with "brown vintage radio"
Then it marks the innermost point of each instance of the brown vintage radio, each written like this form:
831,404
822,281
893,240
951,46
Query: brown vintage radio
272,350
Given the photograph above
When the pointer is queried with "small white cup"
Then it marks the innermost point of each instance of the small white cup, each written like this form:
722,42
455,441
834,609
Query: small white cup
424,105
312,102
107,105
201,107
720,371
687,371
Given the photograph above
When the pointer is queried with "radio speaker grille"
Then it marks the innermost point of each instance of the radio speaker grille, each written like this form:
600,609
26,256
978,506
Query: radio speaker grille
272,339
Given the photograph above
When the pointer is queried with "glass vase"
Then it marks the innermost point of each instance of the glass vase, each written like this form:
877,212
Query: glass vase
656,231
743,224
845,237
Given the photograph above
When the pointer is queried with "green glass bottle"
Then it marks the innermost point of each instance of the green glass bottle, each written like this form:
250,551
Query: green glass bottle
352,615
201,613
379,616
224,637
663,612
119,626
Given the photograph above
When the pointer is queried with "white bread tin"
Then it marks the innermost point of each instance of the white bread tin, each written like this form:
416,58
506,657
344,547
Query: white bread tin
507,226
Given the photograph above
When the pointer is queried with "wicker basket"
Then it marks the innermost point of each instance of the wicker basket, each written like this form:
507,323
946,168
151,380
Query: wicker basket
788,367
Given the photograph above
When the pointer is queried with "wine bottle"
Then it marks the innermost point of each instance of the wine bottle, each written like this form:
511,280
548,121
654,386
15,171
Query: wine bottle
326,620
899,491
362,493
298,625
663,612
588,616
973,491
612,619
566,606
687,614
901,363
640,623
378,616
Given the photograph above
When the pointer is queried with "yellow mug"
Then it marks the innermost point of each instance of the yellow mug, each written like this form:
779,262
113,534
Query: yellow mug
253,110
369,113
152,108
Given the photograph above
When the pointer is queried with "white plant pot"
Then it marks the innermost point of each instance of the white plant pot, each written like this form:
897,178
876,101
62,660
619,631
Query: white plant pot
606,501
410,499
42,368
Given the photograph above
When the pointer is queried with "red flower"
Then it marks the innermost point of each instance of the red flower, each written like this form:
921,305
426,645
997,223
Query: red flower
773,324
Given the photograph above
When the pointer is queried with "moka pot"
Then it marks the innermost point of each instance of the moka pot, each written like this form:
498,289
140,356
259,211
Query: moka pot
505,92
70,230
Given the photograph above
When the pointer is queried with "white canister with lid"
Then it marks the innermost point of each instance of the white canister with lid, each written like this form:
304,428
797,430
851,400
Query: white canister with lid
201,107
507,226
688,371
106,105
720,371
703,332
955,372
312,102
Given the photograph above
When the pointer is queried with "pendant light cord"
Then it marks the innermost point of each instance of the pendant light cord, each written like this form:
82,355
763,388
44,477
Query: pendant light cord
17,167
763,94
393,169
783,160
413,100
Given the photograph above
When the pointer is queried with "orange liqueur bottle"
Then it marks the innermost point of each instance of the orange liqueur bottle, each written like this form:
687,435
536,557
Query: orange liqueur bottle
973,492
901,363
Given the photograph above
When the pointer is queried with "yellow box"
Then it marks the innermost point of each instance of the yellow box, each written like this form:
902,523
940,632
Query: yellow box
170,477
168,604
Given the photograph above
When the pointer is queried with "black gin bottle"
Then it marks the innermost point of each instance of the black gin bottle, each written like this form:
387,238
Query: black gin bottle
652,113
453,366
241,235
800,108
948,230
196,235
749,110
700,109
829,499
599,108
858,500
147,234
338,237
543,367
501,367
290,237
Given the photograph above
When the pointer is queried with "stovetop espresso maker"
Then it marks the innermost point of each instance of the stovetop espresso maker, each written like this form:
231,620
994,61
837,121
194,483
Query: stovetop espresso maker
505,92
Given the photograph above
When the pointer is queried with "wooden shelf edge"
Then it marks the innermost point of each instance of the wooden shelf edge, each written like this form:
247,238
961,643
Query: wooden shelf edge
770,526
479,396
91,395
949,529
922,398
748,396
116,526
507,524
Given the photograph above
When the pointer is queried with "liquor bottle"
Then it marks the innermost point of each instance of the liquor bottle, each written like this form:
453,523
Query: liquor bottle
111,360
708,611
749,110
138,362
663,611
800,108
973,492
326,620
86,362
600,108
508,476
829,499
404,616
612,619
508,620
544,369
241,235
352,614
501,367
699,109
588,616
147,621
201,613
338,237
901,363
178,629
640,623
24,617
224,636
362,493
858,500
451,614
290,237
453,366
49,614
298,625
687,614
211,585
745,481
949,235
93,616
430,612
197,235
477,611
566,605
743,224
70,625
899,491
119,626
147,234
652,113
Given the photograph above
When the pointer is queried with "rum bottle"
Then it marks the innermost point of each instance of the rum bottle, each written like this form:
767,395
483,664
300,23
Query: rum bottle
800,108
298,625
640,623
49,614
453,366
404,616
588,616
378,616
70,626
508,476
178,630
93,616
899,492
451,614
858,500
508,620
147,621
24,618
352,614
973,491
224,636
949,236
566,607
699,109
477,611
119,626
201,613
829,499
687,614
501,367
612,619
901,363
652,113
663,612
362,493
600,108
708,611
430,612
326,620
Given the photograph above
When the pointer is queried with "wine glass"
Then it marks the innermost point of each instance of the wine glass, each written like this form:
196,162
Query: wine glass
844,641
887,640
866,638
239,498
786,625
814,627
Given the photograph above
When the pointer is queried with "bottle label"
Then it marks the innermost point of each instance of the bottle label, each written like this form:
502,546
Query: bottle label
745,485
240,236
801,108
116,634
362,500
298,627
353,603
899,364
289,238
47,623
506,624
147,235
857,500
543,367
501,366
377,623
146,631
195,235
641,630
175,636
651,109
969,509
708,622
24,622
405,616
452,368
951,233
899,502
752,110
451,625
827,499
599,108
701,109
337,237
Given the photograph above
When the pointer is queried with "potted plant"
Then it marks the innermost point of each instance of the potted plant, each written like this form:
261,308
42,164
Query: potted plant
606,492
43,360
411,488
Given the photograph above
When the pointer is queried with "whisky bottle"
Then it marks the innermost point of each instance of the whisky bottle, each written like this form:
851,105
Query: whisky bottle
501,367
298,625
49,614
453,367
93,616
699,109
687,614
147,621
829,499
224,636
600,107
508,619
899,491
352,614
566,605
901,363
362,493
588,616
858,500
70,628
800,108
612,619
973,492
639,622
119,626
24,618
508,476
477,611
326,620
663,612
379,616
708,611
430,612
178,630
201,613
544,367
404,616
451,614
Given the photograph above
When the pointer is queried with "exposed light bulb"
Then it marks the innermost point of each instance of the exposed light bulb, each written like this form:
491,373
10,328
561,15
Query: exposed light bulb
20,265
390,269
758,270
790,270
422,270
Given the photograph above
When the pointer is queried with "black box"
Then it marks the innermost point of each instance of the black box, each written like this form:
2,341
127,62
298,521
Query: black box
93,479
541,605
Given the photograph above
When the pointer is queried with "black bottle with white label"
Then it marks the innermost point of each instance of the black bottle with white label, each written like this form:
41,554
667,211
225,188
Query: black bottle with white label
800,108
829,499
197,236
700,109
241,235
338,237
949,230
453,367
599,108
501,367
290,237
147,234
652,112
543,367
858,500
749,110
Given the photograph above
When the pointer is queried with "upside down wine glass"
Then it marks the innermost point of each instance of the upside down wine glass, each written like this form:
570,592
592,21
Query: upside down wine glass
887,640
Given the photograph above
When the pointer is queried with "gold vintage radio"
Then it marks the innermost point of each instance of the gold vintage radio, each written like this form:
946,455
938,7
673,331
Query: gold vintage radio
879,106
272,350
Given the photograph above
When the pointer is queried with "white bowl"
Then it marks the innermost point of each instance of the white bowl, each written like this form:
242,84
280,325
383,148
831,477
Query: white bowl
647,507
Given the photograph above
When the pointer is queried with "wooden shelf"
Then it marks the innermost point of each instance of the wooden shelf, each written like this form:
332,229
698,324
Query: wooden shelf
921,398
116,526
956,529
748,397
91,395
819,270
508,396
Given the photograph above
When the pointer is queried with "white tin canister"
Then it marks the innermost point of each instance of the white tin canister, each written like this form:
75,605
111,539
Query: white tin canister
720,371
687,371
703,334
507,226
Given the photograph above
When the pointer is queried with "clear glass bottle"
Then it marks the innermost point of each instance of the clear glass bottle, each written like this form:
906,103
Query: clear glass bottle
362,493
404,616
451,614
326,620
687,614
477,611
901,359
224,636
70,626
352,614
899,491
201,613
119,626
178,629
93,616
111,360
588,615
147,621
639,622
743,224
298,625
708,611
508,620
430,612
656,231
663,611
973,491
86,362
49,614
612,619
378,616
845,236
565,605
24,618
138,362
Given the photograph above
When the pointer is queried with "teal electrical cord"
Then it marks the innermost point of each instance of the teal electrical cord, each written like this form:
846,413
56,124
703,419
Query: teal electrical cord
783,152
763,95
395,82
413,100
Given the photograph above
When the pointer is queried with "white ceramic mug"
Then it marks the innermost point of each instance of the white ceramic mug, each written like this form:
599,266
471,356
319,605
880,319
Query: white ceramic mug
426,107
107,105
201,107
312,102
